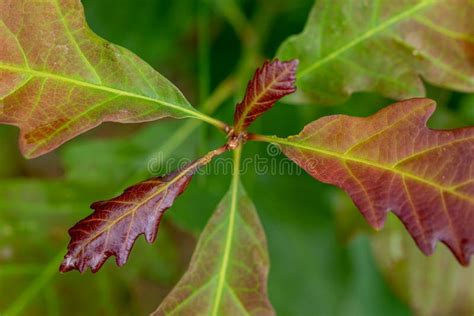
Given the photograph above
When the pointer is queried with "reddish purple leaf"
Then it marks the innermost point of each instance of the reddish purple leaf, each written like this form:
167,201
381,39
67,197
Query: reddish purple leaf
271,82
116,224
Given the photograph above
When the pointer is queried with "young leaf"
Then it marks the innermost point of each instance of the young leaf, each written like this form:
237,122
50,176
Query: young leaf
383,46
116,224
59,79
228,271
392,161
269,84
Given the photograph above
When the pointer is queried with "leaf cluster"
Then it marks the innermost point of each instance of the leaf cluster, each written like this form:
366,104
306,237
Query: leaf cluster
67,81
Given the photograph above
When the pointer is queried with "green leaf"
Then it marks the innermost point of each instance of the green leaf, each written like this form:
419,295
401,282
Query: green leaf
59,79
383,46
228,271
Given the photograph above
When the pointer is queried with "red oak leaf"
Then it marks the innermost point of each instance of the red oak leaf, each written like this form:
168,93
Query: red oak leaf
392,161
270,83
116,224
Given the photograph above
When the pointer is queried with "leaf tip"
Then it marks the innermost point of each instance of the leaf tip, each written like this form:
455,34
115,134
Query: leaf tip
115,224
464,253
67,264
26,152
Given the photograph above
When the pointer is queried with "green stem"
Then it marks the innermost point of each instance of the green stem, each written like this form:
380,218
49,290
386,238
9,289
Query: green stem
267,139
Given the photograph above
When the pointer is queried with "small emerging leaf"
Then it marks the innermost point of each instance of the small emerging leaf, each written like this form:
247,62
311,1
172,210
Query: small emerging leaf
58,79
269,84
392,161
116,224
228,271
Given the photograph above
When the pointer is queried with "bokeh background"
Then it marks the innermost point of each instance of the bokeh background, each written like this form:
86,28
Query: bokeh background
324,259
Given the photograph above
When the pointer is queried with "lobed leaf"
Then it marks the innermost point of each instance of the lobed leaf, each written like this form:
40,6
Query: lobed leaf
392,161
383,46
228,271
58,79
270,83
116,224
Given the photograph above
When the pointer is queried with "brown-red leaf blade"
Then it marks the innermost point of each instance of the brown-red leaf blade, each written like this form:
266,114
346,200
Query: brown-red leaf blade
115,224
392,161
270,83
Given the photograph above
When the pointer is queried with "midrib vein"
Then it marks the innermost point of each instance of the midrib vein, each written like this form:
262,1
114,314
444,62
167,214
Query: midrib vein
256,99
69,123
138,205
371,164
229,235
371,32
76,82
71,38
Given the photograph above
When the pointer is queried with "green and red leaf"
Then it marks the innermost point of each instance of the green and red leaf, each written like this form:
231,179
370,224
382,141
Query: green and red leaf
392,162
270,83
58,79
383,46
228,271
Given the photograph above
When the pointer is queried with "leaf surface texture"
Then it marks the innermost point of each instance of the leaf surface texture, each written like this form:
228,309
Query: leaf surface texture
383,46
392,161
228,271
269,84
116,224
59,79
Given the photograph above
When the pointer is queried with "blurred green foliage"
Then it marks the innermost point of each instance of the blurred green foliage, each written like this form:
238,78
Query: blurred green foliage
315,270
